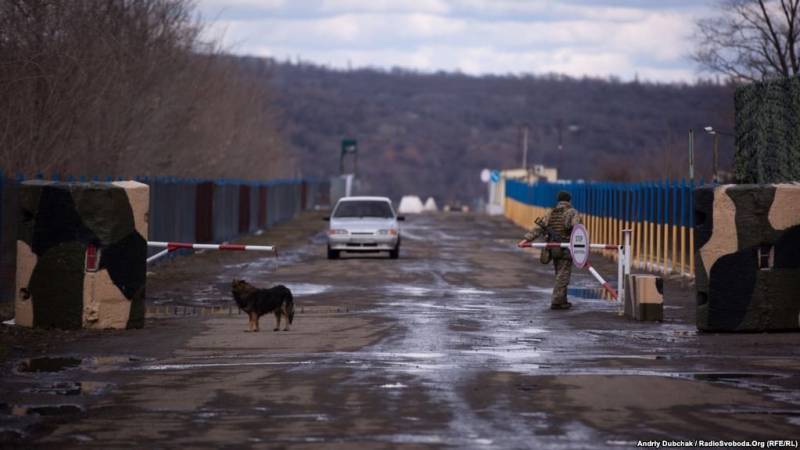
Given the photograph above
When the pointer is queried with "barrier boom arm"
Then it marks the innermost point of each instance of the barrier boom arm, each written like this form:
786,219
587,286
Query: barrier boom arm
528,244
172,246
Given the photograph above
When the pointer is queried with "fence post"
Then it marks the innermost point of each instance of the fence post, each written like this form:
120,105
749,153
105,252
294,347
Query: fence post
691,228
606,214
663,223
648,234
637,229
614,217
673,193
683,226
646,224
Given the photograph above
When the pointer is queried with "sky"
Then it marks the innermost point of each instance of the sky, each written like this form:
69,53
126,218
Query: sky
648,39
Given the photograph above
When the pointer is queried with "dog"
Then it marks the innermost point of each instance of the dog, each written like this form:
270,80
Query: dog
257,302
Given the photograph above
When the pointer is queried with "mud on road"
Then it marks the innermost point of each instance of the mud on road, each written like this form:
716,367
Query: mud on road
452,345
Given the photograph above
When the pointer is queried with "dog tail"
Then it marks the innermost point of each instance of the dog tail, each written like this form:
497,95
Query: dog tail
289,299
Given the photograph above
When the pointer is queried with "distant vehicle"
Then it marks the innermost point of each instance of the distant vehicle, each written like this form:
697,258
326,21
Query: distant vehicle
363,224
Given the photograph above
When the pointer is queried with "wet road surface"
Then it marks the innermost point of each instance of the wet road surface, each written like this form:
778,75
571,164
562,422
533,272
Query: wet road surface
452,345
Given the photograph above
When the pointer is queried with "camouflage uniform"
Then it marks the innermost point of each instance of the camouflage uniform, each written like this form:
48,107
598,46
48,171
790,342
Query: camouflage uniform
560,219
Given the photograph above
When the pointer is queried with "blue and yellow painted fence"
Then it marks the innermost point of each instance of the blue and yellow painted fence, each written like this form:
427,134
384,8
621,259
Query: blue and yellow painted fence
658,213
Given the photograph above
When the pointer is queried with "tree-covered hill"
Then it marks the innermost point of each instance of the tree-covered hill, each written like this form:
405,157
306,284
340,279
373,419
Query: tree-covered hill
431,134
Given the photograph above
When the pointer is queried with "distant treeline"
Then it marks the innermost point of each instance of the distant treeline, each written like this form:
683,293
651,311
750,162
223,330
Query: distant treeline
431,134
127,87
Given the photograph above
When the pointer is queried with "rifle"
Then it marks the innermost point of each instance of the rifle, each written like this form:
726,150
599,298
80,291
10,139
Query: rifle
552,235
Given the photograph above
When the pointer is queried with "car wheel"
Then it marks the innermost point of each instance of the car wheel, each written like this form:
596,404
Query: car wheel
333,254
394,254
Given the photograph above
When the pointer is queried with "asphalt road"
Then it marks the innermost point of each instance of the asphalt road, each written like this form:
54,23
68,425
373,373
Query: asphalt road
452,345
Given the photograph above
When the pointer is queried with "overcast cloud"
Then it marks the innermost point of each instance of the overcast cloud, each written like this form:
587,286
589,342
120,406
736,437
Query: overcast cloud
624,38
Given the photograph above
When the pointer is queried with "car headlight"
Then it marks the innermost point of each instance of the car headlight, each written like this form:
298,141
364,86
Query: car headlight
391,231
332,232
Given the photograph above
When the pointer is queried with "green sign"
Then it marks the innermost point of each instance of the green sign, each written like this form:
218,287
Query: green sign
349,146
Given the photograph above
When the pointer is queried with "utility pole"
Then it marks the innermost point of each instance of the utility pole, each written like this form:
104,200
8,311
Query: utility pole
525,147
560,127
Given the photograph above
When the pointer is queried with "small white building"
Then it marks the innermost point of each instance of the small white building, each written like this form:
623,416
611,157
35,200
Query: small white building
410,204
430,205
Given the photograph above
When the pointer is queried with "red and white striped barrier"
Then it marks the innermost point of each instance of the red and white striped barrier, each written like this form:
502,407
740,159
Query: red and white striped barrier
172,246
566,245
603,282
623,261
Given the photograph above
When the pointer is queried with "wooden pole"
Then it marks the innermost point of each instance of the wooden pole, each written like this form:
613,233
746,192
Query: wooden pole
683,250
691,252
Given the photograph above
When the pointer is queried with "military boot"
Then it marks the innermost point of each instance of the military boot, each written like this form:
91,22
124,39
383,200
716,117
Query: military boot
563,305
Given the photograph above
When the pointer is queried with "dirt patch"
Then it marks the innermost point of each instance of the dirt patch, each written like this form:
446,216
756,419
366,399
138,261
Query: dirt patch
310,333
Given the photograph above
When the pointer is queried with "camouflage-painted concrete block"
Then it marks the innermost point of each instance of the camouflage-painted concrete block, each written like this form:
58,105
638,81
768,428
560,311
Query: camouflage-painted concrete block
57,223
747,248
644,297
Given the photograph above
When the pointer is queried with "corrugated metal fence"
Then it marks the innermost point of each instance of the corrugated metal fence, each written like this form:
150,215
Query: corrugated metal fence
659,213
185,210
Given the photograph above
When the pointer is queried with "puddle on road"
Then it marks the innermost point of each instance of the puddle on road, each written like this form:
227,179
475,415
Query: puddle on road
588,293
414,291
303,289
48,364
166,367
393,386
46,410
218,295
312,417
58,364
733,377
435,306
533,330
69,388
412,439
431,267
472,291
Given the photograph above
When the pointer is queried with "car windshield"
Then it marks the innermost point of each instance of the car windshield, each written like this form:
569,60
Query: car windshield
365,208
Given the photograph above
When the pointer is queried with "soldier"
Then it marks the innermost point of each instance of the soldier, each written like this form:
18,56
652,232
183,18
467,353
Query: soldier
557,226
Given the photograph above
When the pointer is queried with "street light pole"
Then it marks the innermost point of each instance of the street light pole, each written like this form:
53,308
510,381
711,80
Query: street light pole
710,130
716,157
691,154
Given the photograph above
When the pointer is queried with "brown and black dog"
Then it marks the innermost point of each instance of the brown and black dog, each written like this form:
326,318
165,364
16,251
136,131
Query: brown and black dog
257,302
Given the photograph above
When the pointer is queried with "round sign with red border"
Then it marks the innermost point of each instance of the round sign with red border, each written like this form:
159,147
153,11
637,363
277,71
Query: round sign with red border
579,246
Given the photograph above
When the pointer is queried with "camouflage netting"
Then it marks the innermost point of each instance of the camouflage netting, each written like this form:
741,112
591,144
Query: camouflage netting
768,132
56,224
748,271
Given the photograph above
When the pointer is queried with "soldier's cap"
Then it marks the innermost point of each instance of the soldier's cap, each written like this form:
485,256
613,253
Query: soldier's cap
563,196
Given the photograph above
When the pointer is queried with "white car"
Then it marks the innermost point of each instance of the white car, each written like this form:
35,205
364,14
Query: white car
363,224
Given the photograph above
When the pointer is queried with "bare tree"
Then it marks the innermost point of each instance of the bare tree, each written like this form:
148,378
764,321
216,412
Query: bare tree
125,88
751,40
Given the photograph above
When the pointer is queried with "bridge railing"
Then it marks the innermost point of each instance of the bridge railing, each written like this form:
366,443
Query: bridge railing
658,212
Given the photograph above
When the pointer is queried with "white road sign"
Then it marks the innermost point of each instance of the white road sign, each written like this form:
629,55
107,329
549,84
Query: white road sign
485,174
579,246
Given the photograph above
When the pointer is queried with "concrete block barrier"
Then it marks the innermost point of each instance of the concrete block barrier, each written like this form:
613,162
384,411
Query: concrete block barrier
644,297
81,251
748,253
